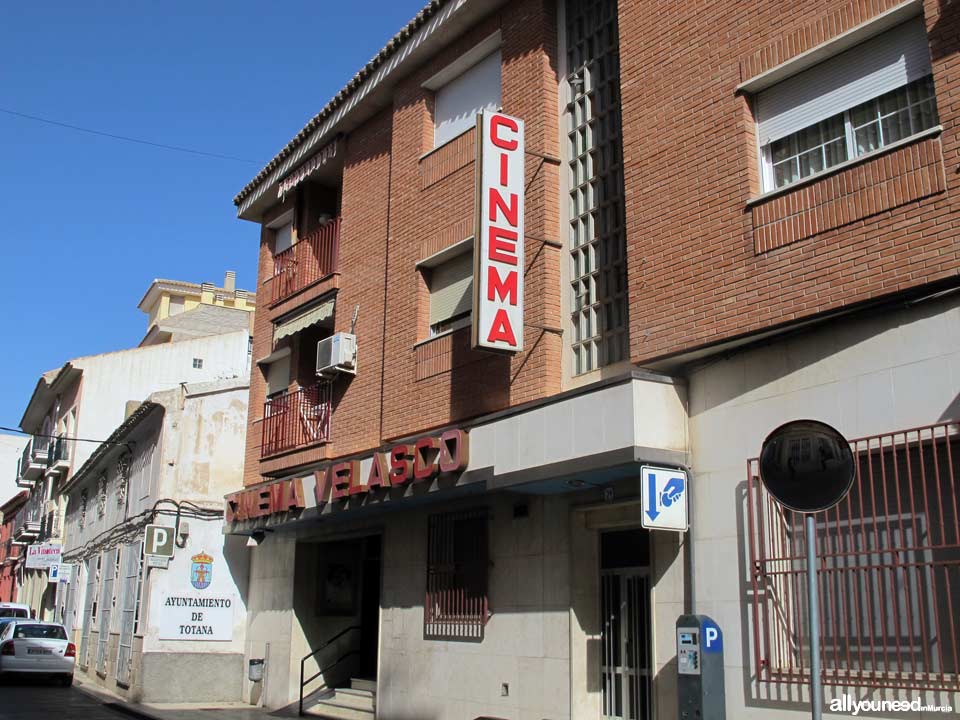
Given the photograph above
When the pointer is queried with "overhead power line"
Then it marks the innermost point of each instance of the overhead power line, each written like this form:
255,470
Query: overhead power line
126,138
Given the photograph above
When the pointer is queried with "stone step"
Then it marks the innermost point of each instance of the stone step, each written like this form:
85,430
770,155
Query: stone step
360,699
331,711
363,684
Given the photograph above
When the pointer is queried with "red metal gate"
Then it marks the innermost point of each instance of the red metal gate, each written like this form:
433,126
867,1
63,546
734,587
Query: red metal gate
889,569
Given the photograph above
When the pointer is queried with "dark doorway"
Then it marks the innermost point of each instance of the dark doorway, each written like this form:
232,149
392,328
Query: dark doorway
370,607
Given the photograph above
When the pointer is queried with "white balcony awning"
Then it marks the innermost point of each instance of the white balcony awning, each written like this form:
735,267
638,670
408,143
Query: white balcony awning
308,318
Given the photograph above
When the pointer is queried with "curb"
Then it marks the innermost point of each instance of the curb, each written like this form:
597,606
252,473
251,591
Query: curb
111,701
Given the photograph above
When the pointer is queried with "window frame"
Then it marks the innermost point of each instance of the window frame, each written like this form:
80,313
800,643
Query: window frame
468,61
461,615
853,154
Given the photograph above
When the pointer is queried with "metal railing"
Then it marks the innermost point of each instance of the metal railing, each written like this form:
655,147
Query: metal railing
295,419
311,258
455,604
321,671
889,566
59,450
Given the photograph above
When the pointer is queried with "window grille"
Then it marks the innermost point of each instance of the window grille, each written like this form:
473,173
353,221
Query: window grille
458,562
595,162
888,564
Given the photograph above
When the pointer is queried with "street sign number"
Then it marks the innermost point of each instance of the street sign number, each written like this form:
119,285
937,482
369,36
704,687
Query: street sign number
665,493
158,540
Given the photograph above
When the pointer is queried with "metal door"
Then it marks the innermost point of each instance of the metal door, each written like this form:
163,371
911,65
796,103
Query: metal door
625,644
106,605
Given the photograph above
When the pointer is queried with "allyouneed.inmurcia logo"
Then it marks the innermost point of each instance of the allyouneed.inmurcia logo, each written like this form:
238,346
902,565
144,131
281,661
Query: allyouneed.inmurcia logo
849,704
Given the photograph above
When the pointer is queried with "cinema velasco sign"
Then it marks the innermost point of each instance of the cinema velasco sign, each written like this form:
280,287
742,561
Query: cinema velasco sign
342,483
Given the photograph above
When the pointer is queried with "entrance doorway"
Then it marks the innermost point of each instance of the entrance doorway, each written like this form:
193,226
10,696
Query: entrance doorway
625,663
370,607
337,604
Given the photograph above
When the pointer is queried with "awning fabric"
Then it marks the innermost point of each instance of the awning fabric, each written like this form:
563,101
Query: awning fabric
314,315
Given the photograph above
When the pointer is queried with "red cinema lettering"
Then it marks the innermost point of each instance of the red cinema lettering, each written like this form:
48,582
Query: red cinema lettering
502,246
292,498
501,330
503,288
232,507
378,476
341,480
454,451
263,503
497,122
322,486
425,458
401,464
508,208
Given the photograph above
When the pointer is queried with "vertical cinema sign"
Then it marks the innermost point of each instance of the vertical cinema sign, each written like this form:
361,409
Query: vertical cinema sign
498,240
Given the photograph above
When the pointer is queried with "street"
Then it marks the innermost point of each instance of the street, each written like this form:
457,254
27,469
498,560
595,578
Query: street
40,699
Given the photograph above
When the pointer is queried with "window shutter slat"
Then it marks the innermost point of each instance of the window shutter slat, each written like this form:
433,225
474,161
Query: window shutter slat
278,375
459,101
451,288
883,63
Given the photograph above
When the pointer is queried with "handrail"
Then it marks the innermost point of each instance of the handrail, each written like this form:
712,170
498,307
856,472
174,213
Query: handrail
303,661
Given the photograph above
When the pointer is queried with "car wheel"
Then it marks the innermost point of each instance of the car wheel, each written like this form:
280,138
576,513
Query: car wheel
66,680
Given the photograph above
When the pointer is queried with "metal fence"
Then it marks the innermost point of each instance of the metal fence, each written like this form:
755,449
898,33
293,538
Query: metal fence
311,258
889,570
455,607
295,419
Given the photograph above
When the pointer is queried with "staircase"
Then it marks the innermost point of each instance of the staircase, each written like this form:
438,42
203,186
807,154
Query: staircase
357,702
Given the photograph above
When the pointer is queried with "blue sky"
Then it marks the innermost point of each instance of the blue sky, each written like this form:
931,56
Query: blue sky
88,221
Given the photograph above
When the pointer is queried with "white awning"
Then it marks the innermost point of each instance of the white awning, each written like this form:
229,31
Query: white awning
314,315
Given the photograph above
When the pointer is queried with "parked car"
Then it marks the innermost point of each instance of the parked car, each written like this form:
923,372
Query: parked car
17,610
29,646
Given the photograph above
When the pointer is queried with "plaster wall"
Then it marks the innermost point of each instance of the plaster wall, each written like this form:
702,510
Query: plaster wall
864,375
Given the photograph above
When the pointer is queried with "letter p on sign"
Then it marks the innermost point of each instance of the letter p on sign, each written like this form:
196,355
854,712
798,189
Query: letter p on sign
158,540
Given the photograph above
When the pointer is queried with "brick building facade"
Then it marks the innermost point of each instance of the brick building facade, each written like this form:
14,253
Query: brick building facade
9,552
735,216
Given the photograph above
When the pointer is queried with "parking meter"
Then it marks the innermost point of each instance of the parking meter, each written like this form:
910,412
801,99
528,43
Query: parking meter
700,694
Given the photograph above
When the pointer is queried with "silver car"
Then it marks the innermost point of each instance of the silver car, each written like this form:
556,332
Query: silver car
31,646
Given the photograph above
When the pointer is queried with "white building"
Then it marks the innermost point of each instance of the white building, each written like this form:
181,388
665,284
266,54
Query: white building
158,633
11,449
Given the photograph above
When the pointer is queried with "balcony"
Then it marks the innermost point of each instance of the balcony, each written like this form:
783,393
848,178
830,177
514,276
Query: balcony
59,454
296,419
33,462
306,262
26,533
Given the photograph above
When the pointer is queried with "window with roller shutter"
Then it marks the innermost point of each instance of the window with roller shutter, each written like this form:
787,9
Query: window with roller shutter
451,294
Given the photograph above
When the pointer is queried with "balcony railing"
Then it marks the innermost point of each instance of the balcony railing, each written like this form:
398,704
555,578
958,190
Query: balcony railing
58,457
312,258
295,419
33,461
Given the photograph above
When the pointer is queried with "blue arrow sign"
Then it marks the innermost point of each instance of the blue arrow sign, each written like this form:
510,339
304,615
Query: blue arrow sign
652,512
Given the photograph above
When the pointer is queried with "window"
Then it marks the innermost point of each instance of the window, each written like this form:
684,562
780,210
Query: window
278,375
457,568
864,99
458,102
594,154
451,294
282,238
198,363
176,305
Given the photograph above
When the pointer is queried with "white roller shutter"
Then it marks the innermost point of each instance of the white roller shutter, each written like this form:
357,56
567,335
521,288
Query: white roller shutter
459,101
451,288
883,63
278,375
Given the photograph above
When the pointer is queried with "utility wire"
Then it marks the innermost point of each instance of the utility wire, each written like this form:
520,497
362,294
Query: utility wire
125,138
64,437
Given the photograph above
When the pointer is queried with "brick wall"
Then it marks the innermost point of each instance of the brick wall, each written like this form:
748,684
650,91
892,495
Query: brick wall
402,202
704,264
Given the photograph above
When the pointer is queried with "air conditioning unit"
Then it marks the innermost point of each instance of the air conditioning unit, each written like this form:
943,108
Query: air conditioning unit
337,354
